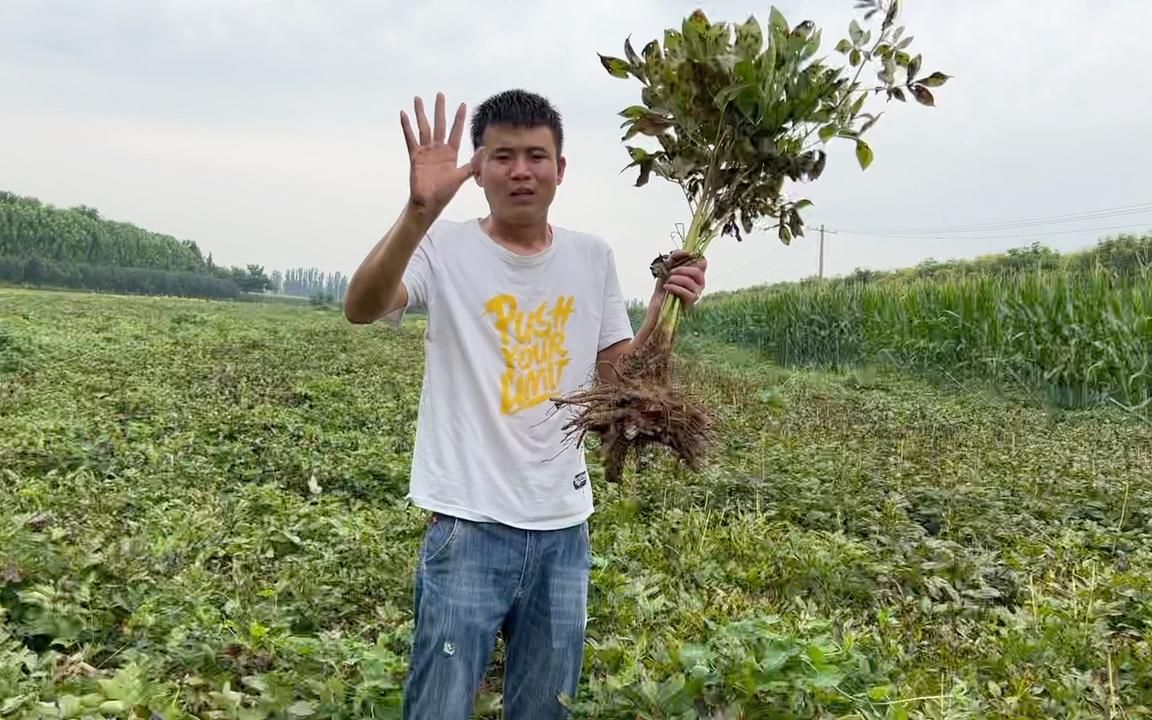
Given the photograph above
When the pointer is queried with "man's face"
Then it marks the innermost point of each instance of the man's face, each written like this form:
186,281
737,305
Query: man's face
519,171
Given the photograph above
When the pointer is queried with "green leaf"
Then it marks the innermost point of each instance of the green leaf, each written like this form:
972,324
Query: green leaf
898,94
923,95
844,46
855,57
827,678
615,66
905,42
914,67
863,154
778,22
936,79
652,98
301,709
646,166
827,133
818,168
651,51
878,693
856,33
695,26
749,38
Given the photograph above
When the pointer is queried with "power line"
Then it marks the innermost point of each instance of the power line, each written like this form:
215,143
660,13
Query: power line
1021,223
911,233
996,237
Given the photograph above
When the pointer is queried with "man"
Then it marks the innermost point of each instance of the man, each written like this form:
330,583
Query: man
519,311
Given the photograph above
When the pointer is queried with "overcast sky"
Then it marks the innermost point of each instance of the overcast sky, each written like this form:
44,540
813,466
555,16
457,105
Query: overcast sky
267,130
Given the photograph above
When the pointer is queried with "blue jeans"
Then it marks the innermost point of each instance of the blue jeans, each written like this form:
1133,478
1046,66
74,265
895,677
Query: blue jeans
475,579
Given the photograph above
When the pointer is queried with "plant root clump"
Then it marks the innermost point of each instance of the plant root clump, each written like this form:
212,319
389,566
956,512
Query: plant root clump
640,409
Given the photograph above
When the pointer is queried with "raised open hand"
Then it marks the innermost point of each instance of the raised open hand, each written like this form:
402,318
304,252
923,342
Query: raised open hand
435,177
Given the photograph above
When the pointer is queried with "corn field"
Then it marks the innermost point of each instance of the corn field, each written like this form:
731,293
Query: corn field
1082,337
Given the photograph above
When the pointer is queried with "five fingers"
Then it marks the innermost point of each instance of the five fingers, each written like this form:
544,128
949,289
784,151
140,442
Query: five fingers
434,134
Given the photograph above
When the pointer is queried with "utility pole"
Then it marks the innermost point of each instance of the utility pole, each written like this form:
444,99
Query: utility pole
822,231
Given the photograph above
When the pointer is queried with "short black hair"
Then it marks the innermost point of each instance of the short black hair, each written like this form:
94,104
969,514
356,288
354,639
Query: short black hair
518,109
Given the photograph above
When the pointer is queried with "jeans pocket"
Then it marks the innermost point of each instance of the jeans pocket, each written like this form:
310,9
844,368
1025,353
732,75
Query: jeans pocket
439,536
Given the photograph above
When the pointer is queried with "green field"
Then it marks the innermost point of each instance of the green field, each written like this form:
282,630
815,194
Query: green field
202,515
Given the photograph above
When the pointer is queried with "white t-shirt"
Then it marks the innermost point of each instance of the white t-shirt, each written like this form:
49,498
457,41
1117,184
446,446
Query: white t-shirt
506,333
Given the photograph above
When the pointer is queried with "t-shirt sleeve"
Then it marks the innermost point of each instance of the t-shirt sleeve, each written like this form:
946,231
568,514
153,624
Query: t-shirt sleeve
615,324
417,280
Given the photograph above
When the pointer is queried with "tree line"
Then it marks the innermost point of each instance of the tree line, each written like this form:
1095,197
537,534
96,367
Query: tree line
311,283
44,245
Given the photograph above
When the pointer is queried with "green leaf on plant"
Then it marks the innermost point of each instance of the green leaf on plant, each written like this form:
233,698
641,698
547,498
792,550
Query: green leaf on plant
914,67
856,33
645,170
615,66
749,38
863,154
936,79
844,46
301,709
651,51
878,693
638,154
827,133
777,20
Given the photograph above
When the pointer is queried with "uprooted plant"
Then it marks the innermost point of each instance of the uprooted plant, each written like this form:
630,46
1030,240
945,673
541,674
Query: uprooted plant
737,110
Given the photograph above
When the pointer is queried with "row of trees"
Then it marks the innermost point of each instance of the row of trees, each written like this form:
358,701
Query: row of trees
30,228
41,272
43,245
311,283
